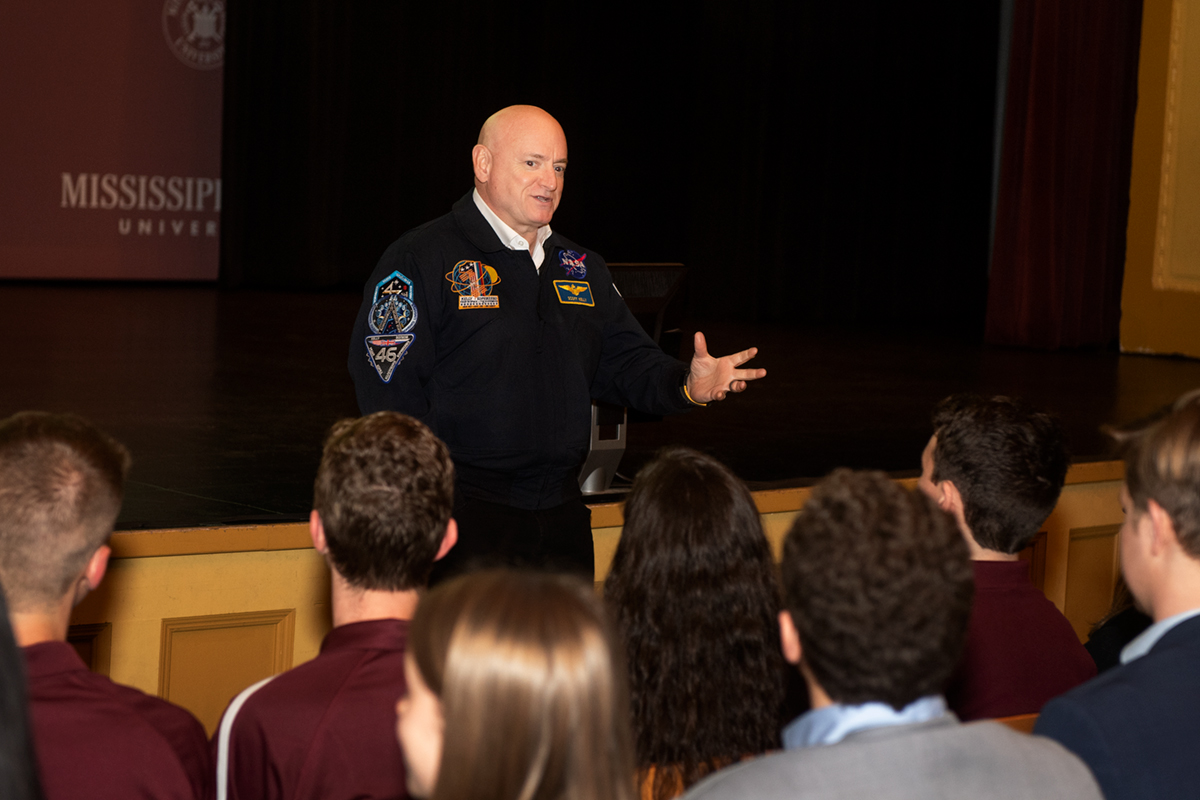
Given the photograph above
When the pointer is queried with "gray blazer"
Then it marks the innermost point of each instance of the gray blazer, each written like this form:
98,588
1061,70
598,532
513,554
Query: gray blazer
941,758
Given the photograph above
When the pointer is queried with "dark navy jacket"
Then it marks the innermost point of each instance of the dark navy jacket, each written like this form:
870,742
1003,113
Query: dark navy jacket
1137,726
502,362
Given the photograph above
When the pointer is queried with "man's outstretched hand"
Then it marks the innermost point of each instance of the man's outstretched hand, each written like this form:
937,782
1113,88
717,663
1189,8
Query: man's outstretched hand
712,378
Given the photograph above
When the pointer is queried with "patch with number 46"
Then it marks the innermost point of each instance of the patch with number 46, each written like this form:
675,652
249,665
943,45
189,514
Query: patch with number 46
387,351
393,314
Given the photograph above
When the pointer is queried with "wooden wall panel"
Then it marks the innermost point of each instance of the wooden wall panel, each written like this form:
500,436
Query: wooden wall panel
207,660
1093,564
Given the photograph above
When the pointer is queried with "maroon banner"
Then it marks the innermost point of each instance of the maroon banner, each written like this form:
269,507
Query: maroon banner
110,139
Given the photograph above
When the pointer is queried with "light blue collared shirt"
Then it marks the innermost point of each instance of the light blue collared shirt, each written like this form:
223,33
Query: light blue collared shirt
831,724
510,238
1149,637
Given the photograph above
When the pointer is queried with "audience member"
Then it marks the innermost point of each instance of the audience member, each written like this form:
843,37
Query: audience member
514,692
383,496
61,483
1120,626
877,591
694,600
1137,726
998,467
18,765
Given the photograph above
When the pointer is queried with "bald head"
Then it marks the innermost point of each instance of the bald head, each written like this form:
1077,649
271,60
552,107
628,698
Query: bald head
513,121
520,162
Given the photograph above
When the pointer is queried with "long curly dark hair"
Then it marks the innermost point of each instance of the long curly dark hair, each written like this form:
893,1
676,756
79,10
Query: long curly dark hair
695,600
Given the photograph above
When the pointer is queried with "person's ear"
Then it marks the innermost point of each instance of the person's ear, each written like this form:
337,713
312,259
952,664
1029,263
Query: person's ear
951,499
92,575
316,529
1162,529
448,540
481,159
789,638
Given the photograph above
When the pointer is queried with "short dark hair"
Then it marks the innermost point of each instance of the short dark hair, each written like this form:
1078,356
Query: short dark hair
1007,460
695,601
385,491
878,582
61,484
1162,463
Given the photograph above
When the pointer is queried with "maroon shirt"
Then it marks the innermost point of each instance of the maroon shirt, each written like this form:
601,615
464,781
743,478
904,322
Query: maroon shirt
1020,650
97,739
326,729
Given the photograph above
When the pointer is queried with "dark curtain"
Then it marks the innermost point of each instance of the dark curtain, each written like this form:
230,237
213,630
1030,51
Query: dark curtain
812,162
1063,202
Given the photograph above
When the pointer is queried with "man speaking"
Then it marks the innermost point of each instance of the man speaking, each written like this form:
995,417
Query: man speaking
497,333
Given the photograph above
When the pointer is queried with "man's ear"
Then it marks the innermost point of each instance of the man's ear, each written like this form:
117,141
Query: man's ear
789,638
951,500
448,540
1162,529
481,159
316,529
92,575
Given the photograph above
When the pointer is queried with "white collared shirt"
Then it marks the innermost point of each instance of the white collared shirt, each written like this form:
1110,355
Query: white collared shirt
1149,637
510,238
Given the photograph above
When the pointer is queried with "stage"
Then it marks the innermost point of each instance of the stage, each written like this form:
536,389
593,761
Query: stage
224,397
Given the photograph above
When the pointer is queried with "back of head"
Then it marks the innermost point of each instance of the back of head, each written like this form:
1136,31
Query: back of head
533,699
1008,461
61,484
385,491
878,582
1162,463
694,599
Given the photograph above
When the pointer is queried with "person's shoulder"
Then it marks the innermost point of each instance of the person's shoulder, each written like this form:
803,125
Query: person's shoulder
980,760
559,242
175,722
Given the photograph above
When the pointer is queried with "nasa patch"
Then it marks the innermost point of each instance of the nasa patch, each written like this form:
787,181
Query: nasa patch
574,293
572,262
393,314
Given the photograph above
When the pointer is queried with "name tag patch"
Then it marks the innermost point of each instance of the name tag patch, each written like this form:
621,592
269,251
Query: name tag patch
393,314
574,293
473,282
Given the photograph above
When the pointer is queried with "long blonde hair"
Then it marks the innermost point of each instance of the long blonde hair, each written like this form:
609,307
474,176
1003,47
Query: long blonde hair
534,701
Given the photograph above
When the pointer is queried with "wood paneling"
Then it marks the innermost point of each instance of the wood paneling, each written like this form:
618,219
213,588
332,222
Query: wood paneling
1093,564
206,660
93,643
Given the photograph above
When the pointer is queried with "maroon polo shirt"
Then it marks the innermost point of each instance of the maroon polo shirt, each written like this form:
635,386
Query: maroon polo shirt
97,739
1020,649
326,729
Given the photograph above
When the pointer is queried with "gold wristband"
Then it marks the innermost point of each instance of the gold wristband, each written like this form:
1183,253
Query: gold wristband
688,395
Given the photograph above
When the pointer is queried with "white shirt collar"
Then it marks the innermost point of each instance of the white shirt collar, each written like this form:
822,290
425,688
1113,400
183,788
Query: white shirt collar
510,238
1149,637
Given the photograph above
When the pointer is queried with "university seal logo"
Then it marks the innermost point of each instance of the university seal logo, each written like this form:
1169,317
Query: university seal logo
195,31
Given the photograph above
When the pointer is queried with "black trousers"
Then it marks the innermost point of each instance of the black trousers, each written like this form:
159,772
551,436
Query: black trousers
491,535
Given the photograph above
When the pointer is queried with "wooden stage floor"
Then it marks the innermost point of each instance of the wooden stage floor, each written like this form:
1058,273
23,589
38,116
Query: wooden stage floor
224,397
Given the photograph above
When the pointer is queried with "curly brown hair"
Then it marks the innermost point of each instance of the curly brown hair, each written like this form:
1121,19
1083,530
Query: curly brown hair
695,601
878,582
385,490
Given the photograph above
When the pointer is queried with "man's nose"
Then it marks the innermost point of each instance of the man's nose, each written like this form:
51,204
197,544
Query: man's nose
550,177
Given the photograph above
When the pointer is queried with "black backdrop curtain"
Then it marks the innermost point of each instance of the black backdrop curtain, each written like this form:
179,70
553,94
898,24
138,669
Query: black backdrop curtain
812,162
1063,200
